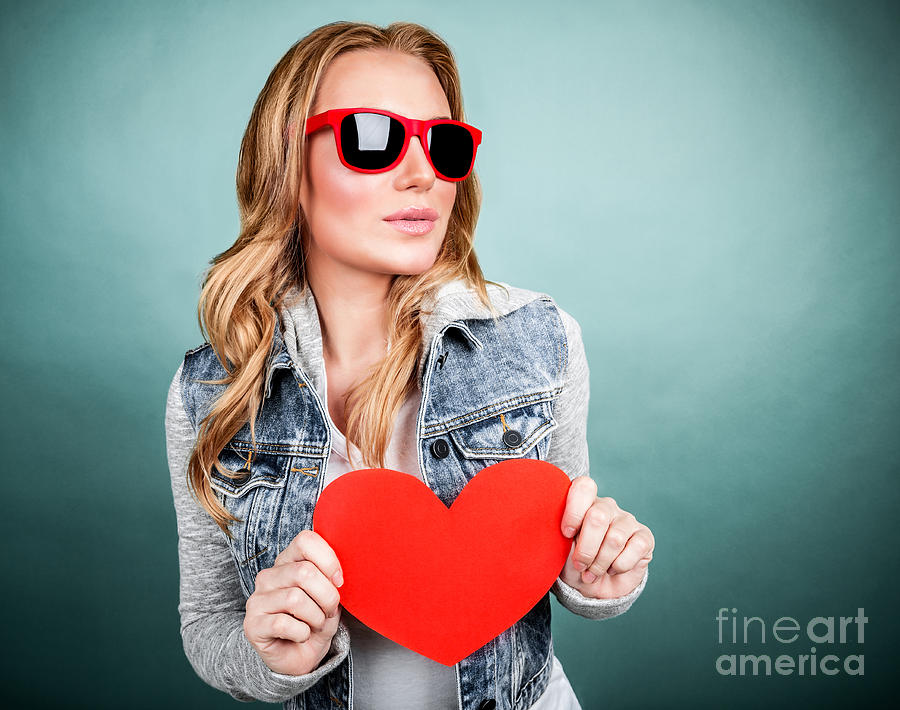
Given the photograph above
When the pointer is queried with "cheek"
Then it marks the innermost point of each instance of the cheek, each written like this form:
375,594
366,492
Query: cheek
447,195
339,193
338,205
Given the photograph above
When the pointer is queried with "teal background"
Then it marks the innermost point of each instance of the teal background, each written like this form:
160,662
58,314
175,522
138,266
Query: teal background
710,188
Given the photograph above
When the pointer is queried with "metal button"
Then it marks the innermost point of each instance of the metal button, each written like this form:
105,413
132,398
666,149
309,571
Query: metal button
440,448
512,438
488,704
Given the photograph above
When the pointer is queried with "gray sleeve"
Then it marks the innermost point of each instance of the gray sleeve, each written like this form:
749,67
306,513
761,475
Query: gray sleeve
569,451
212,605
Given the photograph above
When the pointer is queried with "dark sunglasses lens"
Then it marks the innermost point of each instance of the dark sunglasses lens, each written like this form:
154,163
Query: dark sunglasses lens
452,149
371,141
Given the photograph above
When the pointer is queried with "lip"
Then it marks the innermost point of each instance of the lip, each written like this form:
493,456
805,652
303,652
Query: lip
413,213
412,226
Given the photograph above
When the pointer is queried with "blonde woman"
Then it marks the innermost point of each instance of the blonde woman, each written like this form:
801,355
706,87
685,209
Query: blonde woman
350,326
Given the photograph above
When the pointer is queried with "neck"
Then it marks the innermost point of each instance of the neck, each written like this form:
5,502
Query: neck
352,309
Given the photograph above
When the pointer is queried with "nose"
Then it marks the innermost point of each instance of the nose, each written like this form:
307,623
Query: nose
415,170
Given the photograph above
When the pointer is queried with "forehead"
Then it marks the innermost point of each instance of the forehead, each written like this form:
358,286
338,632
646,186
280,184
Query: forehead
383,79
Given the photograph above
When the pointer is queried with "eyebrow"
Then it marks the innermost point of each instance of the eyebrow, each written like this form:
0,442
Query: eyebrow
434,118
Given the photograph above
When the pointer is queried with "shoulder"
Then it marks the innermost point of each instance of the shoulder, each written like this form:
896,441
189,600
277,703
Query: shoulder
201,362
198,374
203,346
508,298
541,306
527,296
458,299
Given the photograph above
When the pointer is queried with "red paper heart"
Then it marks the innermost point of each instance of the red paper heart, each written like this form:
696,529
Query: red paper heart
443,582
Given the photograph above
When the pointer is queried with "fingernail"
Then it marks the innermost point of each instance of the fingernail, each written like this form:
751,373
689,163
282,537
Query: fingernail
568,532
590,577
338,578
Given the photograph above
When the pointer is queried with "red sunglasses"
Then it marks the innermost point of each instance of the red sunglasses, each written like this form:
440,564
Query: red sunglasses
370,140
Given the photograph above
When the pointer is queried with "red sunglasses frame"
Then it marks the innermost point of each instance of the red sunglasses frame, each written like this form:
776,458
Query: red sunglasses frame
411,127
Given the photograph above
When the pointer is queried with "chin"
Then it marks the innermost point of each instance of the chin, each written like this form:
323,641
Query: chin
411,269
409,262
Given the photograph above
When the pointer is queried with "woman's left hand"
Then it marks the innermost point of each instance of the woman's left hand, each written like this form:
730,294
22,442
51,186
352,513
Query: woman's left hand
611,548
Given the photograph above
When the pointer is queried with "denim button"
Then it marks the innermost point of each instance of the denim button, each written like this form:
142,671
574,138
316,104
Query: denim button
488,704
512,438
440,448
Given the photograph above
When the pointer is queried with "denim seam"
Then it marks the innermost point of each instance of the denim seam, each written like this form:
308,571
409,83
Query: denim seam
239,491
444,427
239,445
540,672
461,325
513,657
205,344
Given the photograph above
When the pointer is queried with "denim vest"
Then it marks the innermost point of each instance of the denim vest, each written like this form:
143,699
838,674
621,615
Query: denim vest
474,371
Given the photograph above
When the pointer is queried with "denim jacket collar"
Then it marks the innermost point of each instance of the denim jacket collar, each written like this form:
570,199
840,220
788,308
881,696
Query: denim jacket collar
453,304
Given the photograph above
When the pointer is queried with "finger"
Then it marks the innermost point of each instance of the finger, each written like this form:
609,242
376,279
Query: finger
617,535
593,529
278,626
309,545
636,549
582,494
297,603
306,577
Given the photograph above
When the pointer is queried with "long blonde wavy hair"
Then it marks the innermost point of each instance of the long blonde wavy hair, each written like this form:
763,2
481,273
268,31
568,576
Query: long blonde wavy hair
245,285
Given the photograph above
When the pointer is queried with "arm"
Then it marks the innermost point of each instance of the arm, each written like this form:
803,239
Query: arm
212,605
569,451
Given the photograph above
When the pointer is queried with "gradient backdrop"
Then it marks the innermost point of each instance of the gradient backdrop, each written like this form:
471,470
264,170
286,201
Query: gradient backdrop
710,188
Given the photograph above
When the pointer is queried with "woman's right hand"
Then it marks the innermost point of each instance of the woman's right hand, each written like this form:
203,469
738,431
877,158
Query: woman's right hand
294,611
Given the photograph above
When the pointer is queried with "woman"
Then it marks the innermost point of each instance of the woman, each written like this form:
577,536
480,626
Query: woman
351,297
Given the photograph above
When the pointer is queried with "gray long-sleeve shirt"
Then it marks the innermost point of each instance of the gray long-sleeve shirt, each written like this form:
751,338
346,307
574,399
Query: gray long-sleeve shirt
212,605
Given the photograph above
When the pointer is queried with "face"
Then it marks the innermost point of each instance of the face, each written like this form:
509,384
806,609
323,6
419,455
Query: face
346,209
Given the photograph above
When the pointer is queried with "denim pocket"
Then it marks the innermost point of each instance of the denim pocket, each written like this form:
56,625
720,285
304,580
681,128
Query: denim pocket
252,468
521,432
